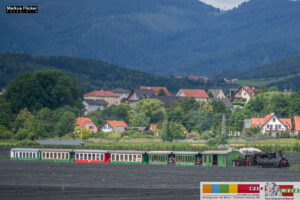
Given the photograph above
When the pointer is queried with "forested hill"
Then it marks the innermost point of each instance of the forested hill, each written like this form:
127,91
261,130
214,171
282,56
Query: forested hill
90,74
169,37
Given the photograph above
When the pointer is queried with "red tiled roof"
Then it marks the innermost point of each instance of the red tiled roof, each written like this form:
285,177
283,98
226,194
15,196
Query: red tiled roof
261,121
153,127
286,121
102,93
193,77
196,93
249,90
156,89
80,121
297,123
115,123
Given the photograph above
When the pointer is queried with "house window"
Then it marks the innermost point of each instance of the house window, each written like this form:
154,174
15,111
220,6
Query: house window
268,126
90,127
274,119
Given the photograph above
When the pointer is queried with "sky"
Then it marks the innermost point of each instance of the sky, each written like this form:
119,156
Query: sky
224,4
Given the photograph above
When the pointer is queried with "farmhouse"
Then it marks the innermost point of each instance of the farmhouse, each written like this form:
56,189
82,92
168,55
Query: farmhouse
122,92
113,126
93,104
85,122
217,93
271,125
156,89
245,92
296,125
198,94
139,94
108,96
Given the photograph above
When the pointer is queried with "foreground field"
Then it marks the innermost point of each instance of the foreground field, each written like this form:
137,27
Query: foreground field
49,180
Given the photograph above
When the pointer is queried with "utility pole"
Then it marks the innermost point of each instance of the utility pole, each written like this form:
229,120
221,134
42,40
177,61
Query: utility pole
224,125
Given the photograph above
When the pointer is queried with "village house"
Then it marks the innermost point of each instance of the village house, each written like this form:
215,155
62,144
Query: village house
245,92
192,77
108,96
217,93
296,125
271,125
139,94
92,105
168,100
122,92
156,89
85,122
113,126
198,94
153,128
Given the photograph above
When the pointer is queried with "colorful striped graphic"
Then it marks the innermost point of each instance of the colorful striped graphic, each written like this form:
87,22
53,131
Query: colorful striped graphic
231,188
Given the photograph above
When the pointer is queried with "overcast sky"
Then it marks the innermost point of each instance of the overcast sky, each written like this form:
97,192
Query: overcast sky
224,4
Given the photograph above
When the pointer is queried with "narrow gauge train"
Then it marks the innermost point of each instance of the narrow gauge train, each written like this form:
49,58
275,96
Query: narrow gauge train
203,158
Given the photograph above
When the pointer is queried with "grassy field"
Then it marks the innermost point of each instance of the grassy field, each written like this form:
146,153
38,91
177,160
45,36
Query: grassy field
287,145
263,82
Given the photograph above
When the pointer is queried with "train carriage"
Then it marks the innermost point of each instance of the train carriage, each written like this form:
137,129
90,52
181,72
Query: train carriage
91,156
24,154
57,155
160,157
219,158
119,156
187,158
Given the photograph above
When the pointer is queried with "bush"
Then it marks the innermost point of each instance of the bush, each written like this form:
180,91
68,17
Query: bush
27,143
252,131
116,136
21,134
285,134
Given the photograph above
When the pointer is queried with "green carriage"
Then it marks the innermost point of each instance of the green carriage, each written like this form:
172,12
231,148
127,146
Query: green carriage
159,157
187,158
219,158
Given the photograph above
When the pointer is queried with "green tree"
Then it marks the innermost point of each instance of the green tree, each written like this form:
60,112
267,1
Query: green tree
199,121
65,124
21,134
139,119
97,117
219,107
5,133
161,92
205,107
39,89
153,108
82,133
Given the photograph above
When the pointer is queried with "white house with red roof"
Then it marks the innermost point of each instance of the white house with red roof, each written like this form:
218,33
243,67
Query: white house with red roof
245,92
271,125
87,123
108,96
198,94
296,125
113,126
156,89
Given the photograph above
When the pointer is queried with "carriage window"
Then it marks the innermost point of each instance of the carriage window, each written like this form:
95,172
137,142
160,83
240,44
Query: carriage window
113,157
67,156
16,154
209,158
51,155
44,155
93,156
102,156
117,157
81,156
121,157
134,158
33,155
48,155
130,158
54,155
126,158
223,158
139,156
204,158
90,156
27,155
85,156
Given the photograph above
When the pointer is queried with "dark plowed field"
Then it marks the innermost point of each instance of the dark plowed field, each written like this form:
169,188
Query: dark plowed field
49,180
